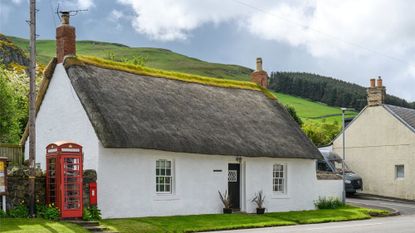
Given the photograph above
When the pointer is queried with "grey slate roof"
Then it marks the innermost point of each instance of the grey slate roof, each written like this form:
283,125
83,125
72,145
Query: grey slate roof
405,115
135,111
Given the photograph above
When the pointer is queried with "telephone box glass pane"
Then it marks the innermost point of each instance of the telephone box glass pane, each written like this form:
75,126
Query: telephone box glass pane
72,183
52,180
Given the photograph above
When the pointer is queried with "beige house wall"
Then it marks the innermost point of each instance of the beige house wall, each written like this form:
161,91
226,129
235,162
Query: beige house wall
375,142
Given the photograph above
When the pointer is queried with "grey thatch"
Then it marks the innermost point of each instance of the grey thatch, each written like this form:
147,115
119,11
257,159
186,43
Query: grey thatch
134,111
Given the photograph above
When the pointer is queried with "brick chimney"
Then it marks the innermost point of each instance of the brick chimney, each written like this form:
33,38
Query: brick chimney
65,38
260,76
376,94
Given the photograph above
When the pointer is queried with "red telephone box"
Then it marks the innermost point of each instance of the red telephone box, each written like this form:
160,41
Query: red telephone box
64,178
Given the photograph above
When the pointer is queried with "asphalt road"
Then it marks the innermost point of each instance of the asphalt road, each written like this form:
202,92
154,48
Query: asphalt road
398,224
405,223
405,208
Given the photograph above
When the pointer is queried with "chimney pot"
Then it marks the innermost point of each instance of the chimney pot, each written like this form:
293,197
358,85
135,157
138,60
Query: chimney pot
372,82
64,17
380,84
65,38
259,64
259,76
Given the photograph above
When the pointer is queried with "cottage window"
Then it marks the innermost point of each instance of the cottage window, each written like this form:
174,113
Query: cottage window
400,171
164,179
279,178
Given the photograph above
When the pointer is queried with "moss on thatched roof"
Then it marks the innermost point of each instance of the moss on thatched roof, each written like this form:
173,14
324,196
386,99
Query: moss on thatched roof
138,107
157,73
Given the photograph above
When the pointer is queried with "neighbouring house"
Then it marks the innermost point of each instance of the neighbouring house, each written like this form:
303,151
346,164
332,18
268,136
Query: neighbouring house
380,146
165,143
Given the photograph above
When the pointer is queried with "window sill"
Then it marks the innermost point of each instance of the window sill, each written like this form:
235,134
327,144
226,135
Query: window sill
280,196
165,197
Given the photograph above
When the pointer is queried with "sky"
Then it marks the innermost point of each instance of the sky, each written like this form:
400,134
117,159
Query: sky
351,40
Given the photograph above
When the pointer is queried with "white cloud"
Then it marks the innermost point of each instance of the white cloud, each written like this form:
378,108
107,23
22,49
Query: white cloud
175,19
76,4
324,28
115,15
17,2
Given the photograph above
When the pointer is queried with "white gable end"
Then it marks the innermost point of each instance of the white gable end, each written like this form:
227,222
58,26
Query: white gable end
62,118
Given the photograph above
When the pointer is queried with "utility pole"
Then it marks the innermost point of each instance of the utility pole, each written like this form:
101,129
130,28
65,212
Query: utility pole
32,108
344,155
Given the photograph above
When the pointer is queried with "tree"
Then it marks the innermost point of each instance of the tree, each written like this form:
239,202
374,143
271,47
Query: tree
9,117
321,133
294,115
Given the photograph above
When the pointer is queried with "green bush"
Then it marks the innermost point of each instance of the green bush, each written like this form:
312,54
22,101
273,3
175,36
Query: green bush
91,213
328,203
2,214
20,211
49,212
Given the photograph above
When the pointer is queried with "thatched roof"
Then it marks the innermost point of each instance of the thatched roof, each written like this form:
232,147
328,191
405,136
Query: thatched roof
128,110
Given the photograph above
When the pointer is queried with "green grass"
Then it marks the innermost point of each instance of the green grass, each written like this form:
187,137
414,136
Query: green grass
309,110
20,225
156,58
192,223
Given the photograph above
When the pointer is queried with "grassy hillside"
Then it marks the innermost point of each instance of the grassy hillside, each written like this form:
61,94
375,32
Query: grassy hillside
168,60
155,57
309,110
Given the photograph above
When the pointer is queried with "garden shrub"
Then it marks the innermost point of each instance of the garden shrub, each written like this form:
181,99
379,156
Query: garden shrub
20,211
91,213
2,214
49,212
328,203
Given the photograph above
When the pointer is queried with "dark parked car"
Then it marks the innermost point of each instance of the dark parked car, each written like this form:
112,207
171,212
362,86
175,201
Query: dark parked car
332,162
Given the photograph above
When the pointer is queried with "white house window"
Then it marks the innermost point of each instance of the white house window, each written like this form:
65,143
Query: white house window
164,179
279,178
400,171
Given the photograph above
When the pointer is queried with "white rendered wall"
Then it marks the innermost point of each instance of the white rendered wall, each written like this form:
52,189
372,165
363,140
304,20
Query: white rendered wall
375,143
126,183
303,188
329,188
61,117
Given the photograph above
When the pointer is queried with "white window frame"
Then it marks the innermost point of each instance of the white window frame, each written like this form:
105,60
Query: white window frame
282,180
396,171
159,174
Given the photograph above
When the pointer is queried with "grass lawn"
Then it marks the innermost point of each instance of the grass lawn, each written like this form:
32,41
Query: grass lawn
192,223
307,109
23,225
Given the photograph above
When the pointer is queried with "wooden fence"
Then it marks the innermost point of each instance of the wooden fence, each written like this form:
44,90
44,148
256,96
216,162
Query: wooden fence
13,152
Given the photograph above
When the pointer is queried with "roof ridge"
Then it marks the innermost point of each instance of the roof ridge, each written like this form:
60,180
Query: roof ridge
158,73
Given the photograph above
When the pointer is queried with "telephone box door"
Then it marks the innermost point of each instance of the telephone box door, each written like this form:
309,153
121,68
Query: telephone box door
72,186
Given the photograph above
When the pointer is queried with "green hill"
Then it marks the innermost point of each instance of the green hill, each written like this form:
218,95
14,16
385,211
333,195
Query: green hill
330,91
155,57
168,60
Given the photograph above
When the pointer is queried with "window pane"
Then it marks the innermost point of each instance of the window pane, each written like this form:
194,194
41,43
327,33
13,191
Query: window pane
163,172
168,172
168,164
162,164
400,171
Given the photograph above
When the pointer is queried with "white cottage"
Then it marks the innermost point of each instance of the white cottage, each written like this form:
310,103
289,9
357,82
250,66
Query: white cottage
165,144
